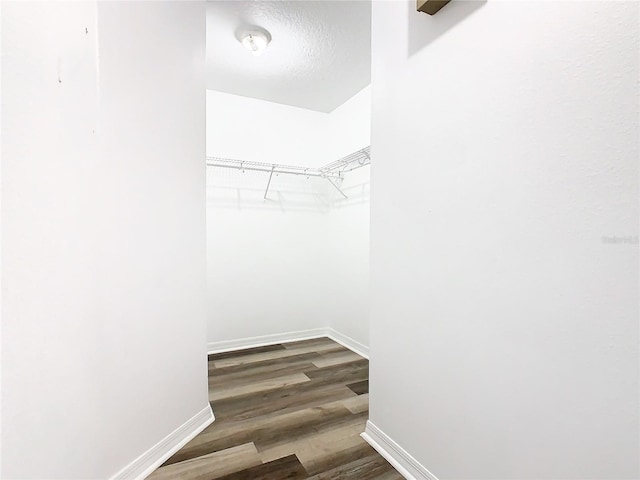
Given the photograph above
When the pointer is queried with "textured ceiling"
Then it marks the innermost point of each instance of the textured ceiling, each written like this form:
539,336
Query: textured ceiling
319,55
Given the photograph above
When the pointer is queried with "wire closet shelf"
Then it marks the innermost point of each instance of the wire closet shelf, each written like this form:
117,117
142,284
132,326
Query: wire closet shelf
332,172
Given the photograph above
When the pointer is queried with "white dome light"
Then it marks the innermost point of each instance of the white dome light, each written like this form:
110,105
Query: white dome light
256,42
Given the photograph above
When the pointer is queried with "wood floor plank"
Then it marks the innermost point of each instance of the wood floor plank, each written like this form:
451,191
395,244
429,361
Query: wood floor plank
268,348
286,468
373,467
238,371
340,452
263,432
326,427
214,465
318,441
358,404
286,352
360,387
257,387
286,402
270,400
337,359
289,411
358,369
390,475
247,374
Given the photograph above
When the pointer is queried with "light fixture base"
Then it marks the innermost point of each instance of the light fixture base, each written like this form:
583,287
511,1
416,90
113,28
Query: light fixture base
254,39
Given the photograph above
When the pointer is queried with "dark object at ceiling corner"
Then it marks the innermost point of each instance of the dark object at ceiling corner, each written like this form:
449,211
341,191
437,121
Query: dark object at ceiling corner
431,6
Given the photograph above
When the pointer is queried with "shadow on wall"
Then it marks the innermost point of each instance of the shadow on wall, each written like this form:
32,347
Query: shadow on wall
424,29
245,191
248,198
357,194
231,189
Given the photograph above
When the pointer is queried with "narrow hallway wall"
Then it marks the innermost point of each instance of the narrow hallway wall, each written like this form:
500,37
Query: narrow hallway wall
103,234
504,333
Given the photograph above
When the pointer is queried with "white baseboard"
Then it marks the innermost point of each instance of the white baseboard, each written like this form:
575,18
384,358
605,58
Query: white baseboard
348,342
265,340
404,463
146,463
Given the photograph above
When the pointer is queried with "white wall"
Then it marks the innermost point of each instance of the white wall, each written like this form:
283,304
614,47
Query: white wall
265,259
349,125
270,263
347,307
103,234
261,131
348,225
504,333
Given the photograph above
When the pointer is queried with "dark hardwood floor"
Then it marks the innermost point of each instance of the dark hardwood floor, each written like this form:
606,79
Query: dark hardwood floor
290,411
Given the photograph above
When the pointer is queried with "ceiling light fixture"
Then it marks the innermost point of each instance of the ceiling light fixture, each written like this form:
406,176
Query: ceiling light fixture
256,41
